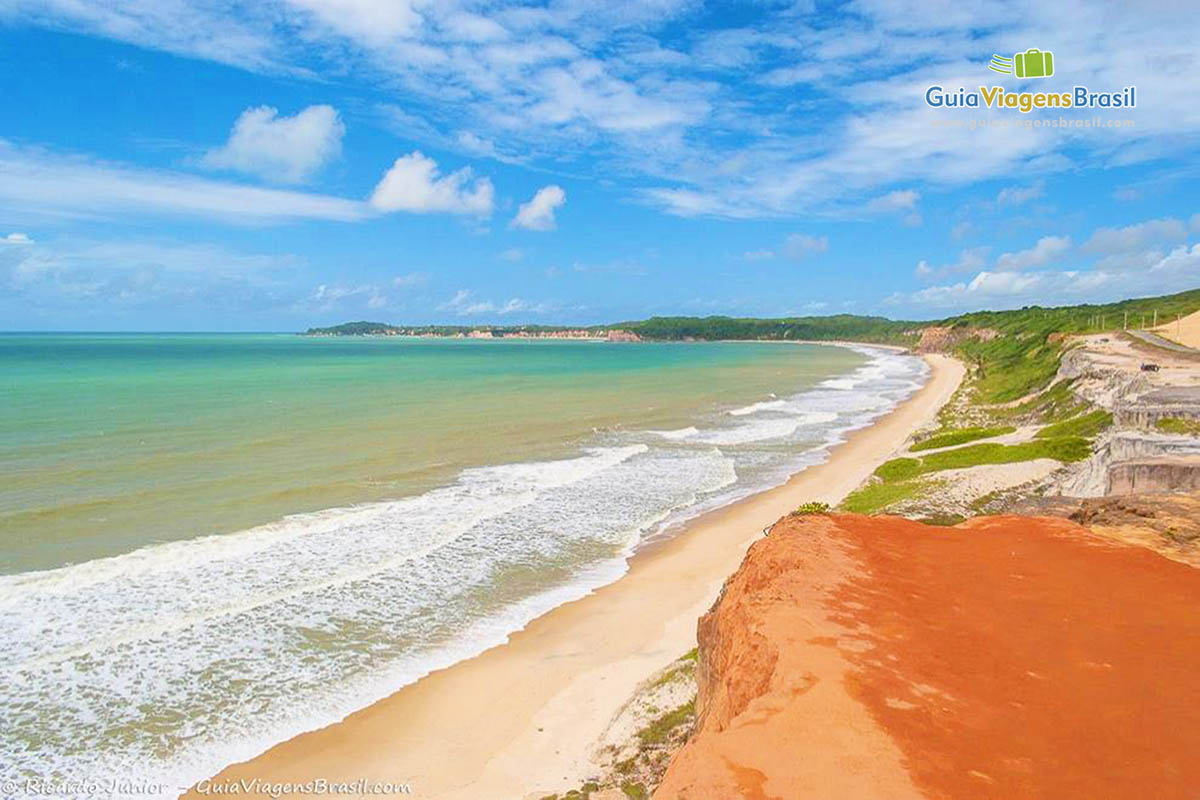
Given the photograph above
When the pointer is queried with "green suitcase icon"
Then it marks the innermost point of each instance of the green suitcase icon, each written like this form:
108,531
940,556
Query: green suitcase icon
1034,63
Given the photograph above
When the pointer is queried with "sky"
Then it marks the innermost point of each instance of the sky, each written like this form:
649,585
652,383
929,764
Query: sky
271,165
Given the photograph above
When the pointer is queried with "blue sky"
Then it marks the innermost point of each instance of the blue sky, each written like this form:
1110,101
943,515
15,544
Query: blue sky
215,165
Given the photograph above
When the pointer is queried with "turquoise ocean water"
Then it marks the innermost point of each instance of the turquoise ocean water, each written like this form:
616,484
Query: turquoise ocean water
210,543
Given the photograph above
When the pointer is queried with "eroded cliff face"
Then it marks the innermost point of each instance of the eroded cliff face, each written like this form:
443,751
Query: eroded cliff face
1006,657
1134,456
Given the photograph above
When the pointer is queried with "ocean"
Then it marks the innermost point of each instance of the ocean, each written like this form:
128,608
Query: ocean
210,543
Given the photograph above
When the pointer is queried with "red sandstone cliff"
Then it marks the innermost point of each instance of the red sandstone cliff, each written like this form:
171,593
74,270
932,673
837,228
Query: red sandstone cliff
1007,657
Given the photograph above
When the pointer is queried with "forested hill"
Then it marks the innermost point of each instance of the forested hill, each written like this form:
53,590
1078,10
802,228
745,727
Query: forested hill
1031,322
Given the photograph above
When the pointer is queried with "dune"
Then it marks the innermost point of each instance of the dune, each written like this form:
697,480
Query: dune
1186,331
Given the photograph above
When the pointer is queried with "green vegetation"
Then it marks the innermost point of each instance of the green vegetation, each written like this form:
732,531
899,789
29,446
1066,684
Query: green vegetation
1055,404
354,329
1022,357
811,507
899,469
678,669
840,327
943,520
960,436
660,729
1176,425
1087,426
634,790
876,496
1064,448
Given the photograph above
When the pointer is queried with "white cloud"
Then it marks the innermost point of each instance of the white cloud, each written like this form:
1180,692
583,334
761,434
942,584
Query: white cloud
465,304
512,254
414,184
1133,237
96,277
1047,249
607,85
37,182
375,22
1173,272
410,279
328,297
902,201
972,259
287,149
899,200
799,246
758,255
1019,195
17,238
538,213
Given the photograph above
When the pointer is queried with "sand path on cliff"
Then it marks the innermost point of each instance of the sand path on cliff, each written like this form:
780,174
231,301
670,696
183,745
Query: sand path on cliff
520,719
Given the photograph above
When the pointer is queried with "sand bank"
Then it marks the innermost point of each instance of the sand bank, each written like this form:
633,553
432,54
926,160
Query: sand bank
520,719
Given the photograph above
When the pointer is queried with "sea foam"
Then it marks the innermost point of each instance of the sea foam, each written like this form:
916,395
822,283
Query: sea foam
167,663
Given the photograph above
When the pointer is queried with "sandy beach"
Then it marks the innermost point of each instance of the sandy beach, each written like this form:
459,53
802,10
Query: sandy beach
520,720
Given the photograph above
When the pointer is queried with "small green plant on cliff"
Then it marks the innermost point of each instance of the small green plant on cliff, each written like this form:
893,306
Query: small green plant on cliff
634,790
1188,427
960,436
875,497
660,729
811,507
1087,426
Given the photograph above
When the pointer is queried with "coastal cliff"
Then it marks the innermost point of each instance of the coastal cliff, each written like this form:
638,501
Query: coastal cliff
856,656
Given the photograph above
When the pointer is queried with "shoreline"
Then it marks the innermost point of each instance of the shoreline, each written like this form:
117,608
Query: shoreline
520,718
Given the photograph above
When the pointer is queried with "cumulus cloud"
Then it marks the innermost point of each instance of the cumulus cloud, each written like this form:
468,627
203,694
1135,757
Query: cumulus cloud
17,238
799,246
285,149
538,213
414,184
1047,249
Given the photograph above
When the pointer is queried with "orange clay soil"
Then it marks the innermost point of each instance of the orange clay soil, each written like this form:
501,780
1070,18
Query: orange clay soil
1009,657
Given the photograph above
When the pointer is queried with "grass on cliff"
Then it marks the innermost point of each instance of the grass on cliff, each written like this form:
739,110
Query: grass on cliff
1024,356
1065,448
660,729
960,436
875,497
1087,426
1189,427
